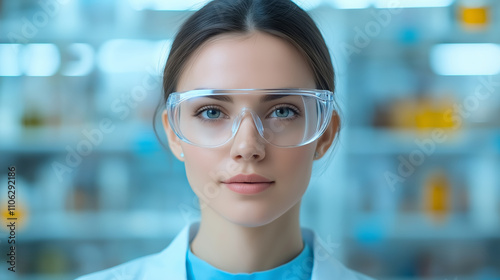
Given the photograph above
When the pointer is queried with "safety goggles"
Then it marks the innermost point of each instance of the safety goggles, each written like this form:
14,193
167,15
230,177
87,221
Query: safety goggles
283,117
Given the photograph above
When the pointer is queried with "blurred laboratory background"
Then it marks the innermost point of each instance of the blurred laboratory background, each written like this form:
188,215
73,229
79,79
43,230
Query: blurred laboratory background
411,191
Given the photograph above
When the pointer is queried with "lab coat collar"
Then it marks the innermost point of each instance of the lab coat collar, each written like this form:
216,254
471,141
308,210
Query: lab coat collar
326,266
170,263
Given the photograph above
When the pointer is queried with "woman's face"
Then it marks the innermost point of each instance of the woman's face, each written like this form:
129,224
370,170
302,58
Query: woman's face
234,61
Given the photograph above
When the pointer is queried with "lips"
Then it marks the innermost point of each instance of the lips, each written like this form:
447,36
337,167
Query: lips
252,178
248,184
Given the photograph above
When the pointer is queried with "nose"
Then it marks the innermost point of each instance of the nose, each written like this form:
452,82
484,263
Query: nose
247,143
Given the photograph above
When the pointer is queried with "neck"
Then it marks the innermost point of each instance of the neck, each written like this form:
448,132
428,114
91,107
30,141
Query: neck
236,248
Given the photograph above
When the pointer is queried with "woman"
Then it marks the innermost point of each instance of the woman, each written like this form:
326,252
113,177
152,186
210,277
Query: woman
248,105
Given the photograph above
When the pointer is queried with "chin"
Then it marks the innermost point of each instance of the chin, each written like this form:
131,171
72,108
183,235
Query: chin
251,218
250,223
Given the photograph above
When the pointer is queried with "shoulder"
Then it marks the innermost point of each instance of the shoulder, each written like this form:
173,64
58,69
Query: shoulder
170,261
325,264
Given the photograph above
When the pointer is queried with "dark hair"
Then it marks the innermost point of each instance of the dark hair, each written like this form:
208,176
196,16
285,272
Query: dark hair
282,18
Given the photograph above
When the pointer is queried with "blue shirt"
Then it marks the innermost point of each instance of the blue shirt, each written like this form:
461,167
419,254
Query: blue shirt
299,268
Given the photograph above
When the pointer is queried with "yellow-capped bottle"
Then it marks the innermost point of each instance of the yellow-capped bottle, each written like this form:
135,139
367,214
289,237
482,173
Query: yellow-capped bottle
437,196
474,15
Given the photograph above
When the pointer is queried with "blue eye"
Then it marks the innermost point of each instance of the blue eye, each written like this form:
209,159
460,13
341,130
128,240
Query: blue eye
283,112
211,113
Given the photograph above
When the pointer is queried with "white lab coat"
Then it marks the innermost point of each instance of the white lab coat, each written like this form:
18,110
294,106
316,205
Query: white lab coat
170,264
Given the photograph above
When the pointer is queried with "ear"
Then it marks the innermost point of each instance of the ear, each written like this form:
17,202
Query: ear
173,141
326,140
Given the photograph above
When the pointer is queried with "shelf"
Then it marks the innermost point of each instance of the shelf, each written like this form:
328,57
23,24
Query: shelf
101,225
421,227
124,138
390,141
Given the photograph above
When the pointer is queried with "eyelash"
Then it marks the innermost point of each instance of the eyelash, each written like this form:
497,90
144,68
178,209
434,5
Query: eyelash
294,109
205,108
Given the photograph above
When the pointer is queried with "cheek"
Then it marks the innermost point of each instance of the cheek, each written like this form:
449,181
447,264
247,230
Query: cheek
204,171
294,166
199,163
293,170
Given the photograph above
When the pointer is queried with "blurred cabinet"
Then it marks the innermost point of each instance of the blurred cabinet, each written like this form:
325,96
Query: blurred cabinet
424,158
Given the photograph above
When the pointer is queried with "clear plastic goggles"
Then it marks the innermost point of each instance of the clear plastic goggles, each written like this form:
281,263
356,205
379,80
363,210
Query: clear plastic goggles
283,117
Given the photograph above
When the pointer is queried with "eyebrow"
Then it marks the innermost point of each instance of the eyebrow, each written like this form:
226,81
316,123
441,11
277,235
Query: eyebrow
265,98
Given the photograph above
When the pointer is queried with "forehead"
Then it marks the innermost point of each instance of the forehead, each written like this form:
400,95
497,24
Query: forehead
255,60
